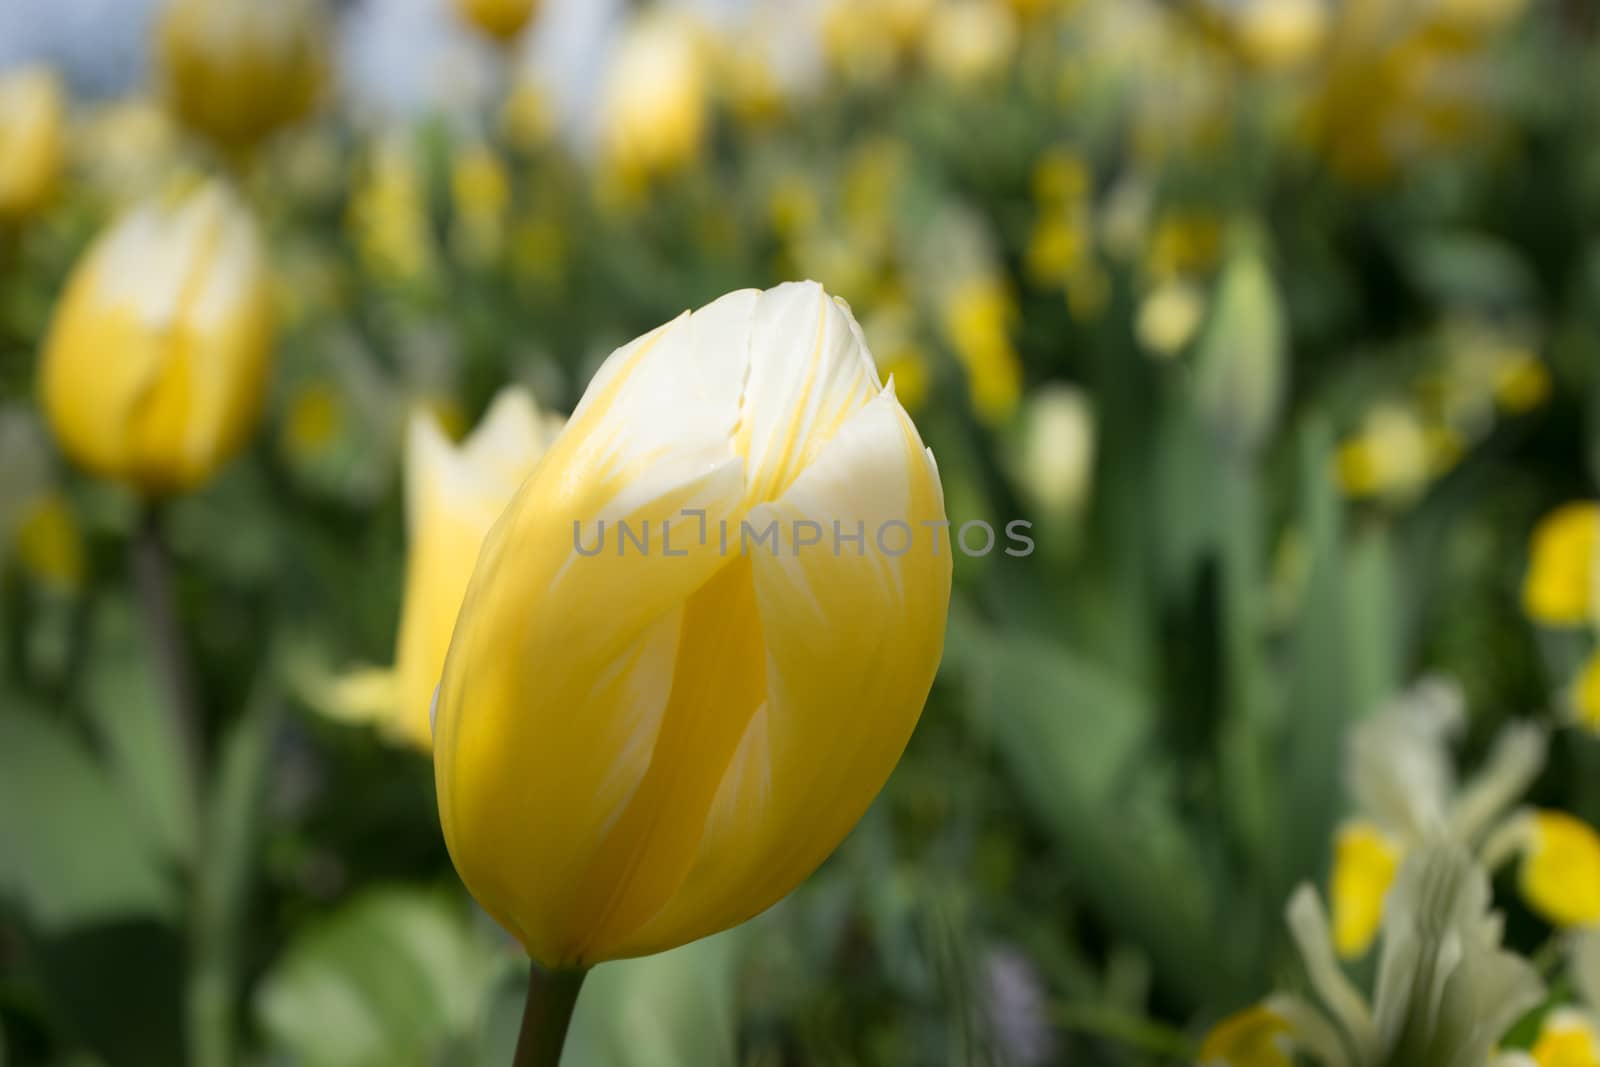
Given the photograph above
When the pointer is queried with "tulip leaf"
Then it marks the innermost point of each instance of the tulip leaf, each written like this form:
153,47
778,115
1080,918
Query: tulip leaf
71,850
389,977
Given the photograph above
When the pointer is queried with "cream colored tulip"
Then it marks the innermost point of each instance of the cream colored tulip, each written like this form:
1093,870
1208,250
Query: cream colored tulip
637,746
32,141
239,70
155,366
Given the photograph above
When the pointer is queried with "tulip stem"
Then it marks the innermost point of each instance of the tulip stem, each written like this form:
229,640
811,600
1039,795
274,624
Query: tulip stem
545,1017
152,575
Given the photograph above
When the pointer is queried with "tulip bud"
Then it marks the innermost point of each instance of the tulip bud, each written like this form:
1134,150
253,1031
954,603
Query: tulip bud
1054,462
32,116
503,20
653,115
652,729
238,70
1242,365
155,364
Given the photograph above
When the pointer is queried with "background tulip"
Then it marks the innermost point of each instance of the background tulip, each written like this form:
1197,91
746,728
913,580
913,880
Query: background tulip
634,748
501,19
654,111
238,70
32,142
453,495
154,367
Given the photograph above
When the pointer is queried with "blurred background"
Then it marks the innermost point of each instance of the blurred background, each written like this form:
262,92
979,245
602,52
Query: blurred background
1278,319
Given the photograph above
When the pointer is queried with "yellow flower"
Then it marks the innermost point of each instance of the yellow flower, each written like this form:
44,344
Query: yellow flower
388,213
1365,860
970,42
313,420
1560,873
1256,1037
1168,317
49,542
504,20
1395,455
155,365
481,191
1057,245
239,70
527,120
125,149
1521,381
32,142
1061,179
1281,34
653,111
646,740
453,496
1560,586
977,320
1566,1039
1584,696
1055,458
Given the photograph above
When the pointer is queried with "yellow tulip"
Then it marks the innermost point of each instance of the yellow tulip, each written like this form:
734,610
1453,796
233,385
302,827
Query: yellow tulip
1560,586
971,42
1560,873
32,142
1281,34
641,742
1583,695
504,20
155,365
977,320
1567,1038
653,113
238,70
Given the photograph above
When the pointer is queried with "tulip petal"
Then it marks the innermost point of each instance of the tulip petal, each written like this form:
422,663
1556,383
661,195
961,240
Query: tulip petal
853,641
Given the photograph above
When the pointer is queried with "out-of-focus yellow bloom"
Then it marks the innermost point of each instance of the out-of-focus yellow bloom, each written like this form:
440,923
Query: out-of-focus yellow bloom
634,751
49,542
971,42
1062,179
126,149
313,420
1395,455
539,248
1054,461
1280,34
1583,698
32,140
1562,586
1184,243
792,206
978,316
155,366
1521,382
504,20
239,70
389,213
453,496
1256,1037
1560,872
1365,860
527,120
481,192
653,113
1059,242
866,41
1567,1038
1242,361
1168,317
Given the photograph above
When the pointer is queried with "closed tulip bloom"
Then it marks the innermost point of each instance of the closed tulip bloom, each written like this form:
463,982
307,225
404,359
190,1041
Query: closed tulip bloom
639,746
238,70
1562,585
653,115
155,365
503,20
32,143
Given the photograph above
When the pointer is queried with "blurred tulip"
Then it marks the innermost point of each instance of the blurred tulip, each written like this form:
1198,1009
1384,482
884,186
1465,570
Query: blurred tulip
978,317
1242,368
970,42
155,366
126,150
239,70
637,747
454,494
504,20
1169,316
1395,455
1567,1038
32,141
1365,861
1055,460
480,190
1562,586
1281,34
388,213
653,111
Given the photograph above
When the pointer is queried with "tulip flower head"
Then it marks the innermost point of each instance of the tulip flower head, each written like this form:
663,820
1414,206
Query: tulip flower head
642,743
154,369
32,142
504,20
239,70
653,115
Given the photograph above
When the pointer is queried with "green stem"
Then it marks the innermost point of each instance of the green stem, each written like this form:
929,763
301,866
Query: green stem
545,1017
152,575
1125,1028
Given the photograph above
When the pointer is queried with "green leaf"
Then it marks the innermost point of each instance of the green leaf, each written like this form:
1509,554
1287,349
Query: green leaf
74,853
394,977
